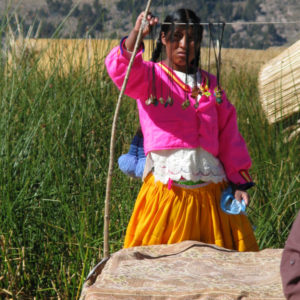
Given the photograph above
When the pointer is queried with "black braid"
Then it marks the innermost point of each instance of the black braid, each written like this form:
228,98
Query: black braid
158,49
195,62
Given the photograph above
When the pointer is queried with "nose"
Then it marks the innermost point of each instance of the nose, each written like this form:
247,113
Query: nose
183,42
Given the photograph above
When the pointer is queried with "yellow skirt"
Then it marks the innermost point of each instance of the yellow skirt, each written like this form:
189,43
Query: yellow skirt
163,216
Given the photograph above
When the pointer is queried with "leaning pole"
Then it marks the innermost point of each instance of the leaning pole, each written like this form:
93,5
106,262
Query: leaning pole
106,253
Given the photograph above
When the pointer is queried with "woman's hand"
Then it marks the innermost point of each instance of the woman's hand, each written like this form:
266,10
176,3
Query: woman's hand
151,21
242,195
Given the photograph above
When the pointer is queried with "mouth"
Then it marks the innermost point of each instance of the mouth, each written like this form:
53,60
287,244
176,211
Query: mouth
181,54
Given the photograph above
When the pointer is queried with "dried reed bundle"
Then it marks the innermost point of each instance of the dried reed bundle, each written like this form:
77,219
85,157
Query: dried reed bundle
279,85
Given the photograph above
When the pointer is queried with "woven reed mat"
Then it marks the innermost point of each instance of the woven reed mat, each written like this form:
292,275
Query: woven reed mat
279,85
188,270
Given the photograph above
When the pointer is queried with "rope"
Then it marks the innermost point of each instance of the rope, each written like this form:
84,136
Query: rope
235,23
113,136
217,57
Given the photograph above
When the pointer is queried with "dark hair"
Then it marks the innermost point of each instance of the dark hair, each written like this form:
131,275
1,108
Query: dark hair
185,16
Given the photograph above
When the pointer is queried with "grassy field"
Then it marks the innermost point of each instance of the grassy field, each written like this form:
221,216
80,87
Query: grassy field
65,55
55,133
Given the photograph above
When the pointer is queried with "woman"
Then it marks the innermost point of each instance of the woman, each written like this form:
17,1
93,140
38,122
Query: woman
191,141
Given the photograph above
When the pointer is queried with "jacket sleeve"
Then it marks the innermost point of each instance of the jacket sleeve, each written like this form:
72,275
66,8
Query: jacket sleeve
290,263
232,148
139,79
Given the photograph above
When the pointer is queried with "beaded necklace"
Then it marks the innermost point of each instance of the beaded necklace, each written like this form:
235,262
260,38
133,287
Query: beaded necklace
215,41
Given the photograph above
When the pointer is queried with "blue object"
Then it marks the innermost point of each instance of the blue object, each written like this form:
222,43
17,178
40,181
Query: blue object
133,162
139,170
127,162
230,205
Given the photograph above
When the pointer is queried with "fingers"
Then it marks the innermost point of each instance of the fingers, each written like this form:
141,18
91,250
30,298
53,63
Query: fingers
242,195
151,21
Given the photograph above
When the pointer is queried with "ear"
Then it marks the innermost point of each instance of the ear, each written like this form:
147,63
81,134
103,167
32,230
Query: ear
163,39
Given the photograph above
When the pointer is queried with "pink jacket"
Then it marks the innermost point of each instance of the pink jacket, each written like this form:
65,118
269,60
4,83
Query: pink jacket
211,126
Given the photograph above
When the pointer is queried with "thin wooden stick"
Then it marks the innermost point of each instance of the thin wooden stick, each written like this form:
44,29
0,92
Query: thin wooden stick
113,136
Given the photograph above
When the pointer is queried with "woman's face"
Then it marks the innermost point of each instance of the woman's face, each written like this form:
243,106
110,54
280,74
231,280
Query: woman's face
180,48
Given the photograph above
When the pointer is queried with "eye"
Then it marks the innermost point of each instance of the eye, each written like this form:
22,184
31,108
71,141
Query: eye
177,36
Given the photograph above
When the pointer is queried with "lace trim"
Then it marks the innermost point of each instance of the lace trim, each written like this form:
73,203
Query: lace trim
189,164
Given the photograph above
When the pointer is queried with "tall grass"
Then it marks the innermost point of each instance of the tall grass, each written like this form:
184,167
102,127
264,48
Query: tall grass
55,132
276,161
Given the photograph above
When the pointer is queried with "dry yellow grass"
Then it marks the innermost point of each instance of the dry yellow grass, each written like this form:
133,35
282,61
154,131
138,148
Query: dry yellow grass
250,57
65,55
233,58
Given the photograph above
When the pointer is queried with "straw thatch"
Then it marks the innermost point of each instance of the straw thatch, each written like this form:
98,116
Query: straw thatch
279,85
187,270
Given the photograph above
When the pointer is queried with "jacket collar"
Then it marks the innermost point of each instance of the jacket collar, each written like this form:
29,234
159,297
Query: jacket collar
174,77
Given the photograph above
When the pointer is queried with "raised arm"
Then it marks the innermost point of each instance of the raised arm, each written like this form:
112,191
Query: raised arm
131,39
118,59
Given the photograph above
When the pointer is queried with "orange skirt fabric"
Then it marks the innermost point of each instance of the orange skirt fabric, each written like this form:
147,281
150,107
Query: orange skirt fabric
168,216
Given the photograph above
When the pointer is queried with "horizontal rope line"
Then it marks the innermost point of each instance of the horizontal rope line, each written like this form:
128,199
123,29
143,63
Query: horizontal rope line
232,23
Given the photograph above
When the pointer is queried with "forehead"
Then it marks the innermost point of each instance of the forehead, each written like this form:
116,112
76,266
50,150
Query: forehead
183,29
177,30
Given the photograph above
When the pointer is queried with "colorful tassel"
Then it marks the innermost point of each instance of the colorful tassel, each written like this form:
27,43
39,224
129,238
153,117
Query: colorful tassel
218,94
185,104
169,101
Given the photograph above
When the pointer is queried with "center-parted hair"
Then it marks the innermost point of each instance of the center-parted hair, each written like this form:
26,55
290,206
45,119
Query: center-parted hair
189,18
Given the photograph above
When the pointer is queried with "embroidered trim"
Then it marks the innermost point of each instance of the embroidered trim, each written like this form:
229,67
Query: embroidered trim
189,182
245,175
174,77
242,187
196,186
121,44
122,47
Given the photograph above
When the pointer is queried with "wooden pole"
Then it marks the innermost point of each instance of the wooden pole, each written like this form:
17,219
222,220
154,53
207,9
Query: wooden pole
113,136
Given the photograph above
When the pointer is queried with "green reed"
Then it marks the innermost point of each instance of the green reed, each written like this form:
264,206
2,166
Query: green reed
55,134
276,162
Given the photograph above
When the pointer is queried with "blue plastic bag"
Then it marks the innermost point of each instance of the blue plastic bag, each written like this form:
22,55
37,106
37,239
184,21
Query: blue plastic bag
230,205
